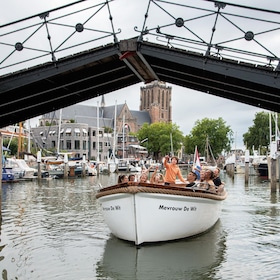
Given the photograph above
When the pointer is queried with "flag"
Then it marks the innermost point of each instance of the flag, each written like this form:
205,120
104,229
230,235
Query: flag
196,163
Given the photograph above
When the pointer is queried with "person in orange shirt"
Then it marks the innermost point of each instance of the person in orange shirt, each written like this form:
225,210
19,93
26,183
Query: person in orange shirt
172,171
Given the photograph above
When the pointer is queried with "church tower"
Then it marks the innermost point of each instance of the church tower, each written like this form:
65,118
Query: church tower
156,99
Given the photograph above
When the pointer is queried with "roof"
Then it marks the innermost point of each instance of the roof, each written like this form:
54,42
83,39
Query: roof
88,114
142,117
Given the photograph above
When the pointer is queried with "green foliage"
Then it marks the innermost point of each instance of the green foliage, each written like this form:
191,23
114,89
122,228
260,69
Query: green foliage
257,136
159,138
219,136
13,145
108,129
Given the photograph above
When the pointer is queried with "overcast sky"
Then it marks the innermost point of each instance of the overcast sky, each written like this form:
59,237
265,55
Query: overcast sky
187,105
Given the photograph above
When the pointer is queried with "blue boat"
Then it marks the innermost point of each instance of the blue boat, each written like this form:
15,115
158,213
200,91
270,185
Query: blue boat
7,174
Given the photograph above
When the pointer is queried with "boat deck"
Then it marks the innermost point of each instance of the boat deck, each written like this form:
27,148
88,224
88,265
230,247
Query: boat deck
134,187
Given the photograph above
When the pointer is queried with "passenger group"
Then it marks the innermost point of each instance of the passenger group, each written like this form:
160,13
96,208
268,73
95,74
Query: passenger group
205,179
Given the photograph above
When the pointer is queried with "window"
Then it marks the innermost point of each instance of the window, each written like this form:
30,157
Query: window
84,132
53,144
100,147
68,145
68,131
77,132
84,145
77,144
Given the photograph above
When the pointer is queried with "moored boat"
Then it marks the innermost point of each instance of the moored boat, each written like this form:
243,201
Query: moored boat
7,175
141,212
21,169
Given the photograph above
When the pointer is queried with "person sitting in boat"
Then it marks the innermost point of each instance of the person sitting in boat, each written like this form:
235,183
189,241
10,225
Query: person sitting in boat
157,178
122,179
217,180
172,171
201,182
209,176
191,179
131,178
144,178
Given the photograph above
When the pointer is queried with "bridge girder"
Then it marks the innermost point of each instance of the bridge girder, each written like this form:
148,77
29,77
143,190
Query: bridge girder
44,88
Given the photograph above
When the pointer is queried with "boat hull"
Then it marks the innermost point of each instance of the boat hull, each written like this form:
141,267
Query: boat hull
155,216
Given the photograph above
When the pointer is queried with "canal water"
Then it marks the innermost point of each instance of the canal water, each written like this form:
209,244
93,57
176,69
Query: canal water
54,230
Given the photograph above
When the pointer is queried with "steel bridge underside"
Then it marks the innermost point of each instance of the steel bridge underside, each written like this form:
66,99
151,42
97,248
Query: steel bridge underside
54,85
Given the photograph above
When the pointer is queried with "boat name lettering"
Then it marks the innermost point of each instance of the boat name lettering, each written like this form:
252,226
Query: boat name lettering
173,208
112,208
192,208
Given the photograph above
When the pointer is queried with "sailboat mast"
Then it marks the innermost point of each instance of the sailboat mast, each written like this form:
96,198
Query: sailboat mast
171,143
59,129
276,127
115,126
123,137
97,115
29,137
19,140
207,149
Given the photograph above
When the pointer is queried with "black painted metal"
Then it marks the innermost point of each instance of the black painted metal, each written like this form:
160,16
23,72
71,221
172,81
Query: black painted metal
209,66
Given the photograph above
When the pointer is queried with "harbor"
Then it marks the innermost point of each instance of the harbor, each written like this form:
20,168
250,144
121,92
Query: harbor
139,143
54,229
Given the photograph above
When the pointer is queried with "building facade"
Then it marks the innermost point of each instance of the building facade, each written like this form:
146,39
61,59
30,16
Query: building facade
76,138
96,131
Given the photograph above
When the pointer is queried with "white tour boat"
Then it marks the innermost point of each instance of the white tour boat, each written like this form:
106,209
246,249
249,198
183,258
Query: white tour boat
141,212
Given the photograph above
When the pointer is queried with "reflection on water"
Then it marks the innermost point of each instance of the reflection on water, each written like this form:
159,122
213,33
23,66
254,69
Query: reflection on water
50,229
172,260
251,217
55,230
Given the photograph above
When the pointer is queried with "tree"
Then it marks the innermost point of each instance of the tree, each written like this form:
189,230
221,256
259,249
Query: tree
257,136
216,132
13,145
108,129
157,138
